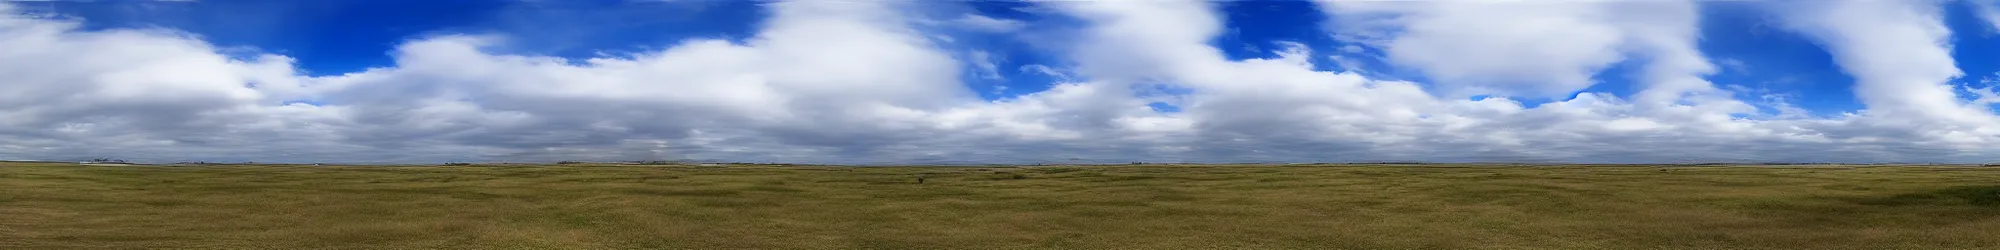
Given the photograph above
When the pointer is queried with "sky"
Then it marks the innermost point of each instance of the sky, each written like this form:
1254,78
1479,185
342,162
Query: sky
977,82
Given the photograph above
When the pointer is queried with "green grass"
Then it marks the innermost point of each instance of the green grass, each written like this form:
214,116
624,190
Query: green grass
46,206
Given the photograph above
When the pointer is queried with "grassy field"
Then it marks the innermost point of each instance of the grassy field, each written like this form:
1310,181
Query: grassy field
45,206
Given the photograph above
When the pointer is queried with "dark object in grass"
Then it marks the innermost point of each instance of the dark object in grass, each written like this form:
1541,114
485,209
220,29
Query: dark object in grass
458,164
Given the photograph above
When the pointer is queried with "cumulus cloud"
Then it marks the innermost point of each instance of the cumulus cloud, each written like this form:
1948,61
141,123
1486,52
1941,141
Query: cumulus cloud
1900,56
1542,49
140,91
798,83
1535,49
853,82
836,77
1280,108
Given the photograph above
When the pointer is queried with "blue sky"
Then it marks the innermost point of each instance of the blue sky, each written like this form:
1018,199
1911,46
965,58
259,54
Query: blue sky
1010,54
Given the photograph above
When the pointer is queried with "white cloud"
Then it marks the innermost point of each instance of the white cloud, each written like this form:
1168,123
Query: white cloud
852,82
72,93
822,76
1279,108
1541,49
1899,55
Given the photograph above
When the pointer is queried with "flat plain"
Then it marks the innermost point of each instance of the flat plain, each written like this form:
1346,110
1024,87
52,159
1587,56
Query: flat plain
584,206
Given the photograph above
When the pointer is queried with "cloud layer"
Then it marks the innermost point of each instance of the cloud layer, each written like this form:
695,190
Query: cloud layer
861,82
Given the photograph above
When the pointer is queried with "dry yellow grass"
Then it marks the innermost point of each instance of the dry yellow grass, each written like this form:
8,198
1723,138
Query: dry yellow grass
44,206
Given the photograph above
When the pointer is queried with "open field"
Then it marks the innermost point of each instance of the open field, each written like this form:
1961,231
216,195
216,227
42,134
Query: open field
1155,207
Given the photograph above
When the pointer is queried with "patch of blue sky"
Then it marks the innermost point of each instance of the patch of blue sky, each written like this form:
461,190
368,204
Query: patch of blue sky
1975,44
1753,50
596,28
1620,79
1262,29
1256,29
1164,107
1023,61
1167,98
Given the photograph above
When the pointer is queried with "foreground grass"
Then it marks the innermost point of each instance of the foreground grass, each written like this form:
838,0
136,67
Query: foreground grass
1159,207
